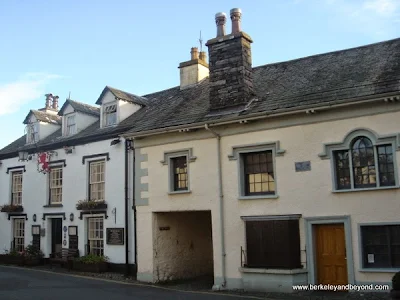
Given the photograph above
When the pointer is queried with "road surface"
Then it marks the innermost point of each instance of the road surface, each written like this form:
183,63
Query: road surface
28,284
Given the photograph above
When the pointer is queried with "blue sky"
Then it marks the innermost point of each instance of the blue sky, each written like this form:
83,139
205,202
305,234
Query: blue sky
81,46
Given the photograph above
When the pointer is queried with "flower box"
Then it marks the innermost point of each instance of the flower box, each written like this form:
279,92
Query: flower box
9,259
98,267
91,205
11,208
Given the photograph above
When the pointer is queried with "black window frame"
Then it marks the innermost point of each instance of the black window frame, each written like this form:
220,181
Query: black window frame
175,177
267,166
384,247
349,171
273,243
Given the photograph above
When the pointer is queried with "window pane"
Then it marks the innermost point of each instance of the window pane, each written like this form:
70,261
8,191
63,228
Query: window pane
363,163
258,173
386,166
180,176
342,169
380,246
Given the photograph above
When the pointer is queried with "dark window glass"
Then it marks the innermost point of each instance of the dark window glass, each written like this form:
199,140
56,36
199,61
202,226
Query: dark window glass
381,246
386,167
180,175
343,180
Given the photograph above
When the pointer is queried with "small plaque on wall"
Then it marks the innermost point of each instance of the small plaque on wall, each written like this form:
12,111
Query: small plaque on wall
302,166
115,236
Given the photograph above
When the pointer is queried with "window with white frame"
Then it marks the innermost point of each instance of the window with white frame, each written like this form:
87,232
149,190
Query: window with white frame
16,188
32,133
70,127
55,184
19,235
96,180
96,236
110,114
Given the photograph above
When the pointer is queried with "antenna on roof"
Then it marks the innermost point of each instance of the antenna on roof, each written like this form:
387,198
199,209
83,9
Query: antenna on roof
201,42
69,96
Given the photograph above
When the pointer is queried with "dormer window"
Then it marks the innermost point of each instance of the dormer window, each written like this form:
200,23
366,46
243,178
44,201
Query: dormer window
70,127
32,133
110,115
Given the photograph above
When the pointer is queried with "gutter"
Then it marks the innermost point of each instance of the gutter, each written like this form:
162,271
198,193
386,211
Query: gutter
221,205
261,115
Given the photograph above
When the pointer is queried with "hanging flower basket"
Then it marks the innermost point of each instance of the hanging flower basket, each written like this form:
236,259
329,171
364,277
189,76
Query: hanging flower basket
90,204
11,208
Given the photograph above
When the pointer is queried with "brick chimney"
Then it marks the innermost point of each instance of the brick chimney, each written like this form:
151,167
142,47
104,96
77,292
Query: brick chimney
231,78
194,70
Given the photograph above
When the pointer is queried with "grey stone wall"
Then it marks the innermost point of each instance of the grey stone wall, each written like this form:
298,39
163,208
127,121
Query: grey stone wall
231,78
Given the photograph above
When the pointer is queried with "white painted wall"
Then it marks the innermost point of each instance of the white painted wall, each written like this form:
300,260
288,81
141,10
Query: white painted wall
126,109
75,187
307,193
46,129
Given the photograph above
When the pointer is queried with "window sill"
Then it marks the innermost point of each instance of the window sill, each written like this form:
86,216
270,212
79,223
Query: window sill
53,205
273,271
379,270
367,189
179,192
258,197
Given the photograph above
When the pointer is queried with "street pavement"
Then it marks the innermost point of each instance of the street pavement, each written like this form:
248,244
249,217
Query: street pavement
24,284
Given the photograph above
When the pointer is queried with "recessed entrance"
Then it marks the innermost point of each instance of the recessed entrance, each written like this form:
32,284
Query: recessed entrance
183,247
56,235
330,254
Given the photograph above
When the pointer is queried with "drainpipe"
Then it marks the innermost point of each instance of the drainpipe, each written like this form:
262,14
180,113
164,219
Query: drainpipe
221,203
127,148
133,203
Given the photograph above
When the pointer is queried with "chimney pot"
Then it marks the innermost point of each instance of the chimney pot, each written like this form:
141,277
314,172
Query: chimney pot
55,102
220,20
203,56
236,16
49,100
194,52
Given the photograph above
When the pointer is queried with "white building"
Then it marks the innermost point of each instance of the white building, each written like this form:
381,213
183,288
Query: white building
87,160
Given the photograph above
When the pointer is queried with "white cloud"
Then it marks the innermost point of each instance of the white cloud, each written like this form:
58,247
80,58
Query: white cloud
382,7
29,87
377,18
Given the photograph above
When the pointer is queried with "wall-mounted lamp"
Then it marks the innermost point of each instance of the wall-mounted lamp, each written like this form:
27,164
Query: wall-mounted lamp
71,217
24,156
68,149
34,217
115,142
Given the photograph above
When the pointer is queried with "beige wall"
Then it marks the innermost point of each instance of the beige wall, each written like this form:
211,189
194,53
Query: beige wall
307,193
184,250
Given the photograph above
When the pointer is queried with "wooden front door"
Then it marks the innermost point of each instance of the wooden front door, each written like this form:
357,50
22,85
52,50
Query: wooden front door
331,254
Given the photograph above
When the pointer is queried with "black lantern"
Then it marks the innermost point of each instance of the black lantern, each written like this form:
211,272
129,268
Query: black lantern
23,156
71,217
34,217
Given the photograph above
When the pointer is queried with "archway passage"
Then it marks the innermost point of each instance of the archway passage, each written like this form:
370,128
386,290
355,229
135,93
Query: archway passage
183,247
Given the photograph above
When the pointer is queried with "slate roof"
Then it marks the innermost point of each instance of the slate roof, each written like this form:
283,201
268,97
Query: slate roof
325,79
123,96
42,116
337,77
80,107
